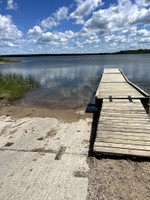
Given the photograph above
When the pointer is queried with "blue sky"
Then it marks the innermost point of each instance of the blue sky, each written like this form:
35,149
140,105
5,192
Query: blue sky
73,26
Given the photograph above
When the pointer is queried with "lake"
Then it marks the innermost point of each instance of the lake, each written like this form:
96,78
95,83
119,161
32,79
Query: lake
70,82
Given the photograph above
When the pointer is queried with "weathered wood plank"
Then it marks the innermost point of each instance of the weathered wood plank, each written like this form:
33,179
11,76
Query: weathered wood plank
122,134
111,70
113,78
120,152
125,124
121,94
123,129
114,86
122,146
124,115
123,106
121,110
131,107
123,101
125,141
130,136
109,117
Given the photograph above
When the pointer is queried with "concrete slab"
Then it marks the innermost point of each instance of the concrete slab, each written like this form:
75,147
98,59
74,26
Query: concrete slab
43,158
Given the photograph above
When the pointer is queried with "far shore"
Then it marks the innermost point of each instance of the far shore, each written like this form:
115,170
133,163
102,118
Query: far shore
3,61
138,51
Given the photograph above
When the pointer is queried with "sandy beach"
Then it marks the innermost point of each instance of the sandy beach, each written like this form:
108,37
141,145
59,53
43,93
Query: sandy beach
44,155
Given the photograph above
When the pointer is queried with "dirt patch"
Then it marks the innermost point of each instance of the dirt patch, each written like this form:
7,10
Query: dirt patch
4,130
51,134
80,174
8,144
60,153
42,150
13,132
118,179
86,141
41,138
17,112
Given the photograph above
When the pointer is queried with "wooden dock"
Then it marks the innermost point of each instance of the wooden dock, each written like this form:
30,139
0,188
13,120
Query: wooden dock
124,126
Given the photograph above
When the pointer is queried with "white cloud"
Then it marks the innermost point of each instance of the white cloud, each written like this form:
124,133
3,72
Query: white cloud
134,32
114,44
11,5
116,38
92,40
112,19
84,8
143,32
144,40
36,30
61,13
142,3
117,17
130,31
78,44
79,1
141,17
55,18
56,38
8,31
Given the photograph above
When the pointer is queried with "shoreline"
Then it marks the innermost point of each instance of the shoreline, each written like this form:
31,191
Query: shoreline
7,62
18,110
66,115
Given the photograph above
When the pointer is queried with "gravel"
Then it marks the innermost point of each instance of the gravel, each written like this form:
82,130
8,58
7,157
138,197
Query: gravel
118,179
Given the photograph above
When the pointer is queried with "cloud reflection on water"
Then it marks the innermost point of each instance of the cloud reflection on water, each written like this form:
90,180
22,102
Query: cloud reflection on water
70,81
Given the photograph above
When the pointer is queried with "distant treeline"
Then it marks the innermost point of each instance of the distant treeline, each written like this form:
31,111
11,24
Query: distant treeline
133,51
65,54
81,54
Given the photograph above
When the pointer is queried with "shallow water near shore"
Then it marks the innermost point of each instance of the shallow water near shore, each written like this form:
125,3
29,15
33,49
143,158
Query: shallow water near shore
70,82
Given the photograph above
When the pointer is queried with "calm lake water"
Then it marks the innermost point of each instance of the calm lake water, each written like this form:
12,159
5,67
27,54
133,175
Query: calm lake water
71,81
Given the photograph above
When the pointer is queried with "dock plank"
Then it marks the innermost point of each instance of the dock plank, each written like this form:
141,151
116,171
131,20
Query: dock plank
111,70
111,77
115,151
122,146
125,141
114,84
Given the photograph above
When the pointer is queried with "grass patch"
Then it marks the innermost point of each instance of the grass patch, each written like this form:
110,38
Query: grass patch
8,61
13,87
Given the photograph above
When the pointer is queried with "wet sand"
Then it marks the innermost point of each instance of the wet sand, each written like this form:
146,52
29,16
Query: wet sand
64,115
